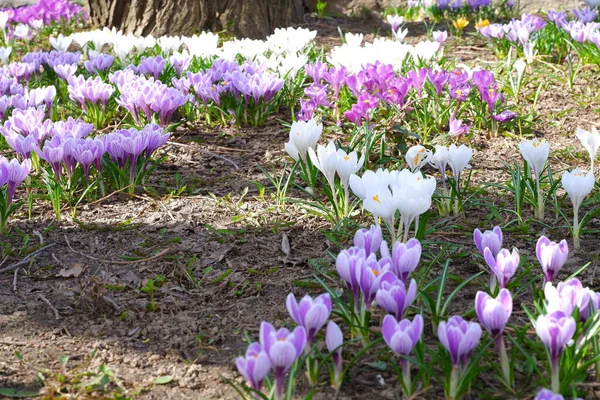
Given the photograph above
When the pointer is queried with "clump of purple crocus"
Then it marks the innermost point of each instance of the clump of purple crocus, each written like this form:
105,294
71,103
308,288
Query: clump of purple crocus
89,92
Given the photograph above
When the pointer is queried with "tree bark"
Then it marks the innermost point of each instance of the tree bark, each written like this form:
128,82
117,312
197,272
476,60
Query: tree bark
243,18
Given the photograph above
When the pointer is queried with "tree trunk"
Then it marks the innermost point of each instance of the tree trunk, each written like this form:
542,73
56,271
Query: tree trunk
244,18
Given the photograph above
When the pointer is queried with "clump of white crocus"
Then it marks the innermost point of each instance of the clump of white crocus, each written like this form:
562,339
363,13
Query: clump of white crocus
578,185
416,157
458,158
535,152
590,140
347,164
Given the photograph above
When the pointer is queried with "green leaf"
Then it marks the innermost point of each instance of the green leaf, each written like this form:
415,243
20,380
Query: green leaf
17,393
163,380
378,365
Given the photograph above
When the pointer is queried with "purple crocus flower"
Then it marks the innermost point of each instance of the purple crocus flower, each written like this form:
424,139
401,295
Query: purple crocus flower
402,336
255,366
309,313
316,71
483,79
493,313
152,65
506,116
504,265
15,174
65,71
98,63
585,14
405,257
334,340
371,276
155,138
491,239
491,96
456,127
349,264
180,61
567,296
556,331
283,348
53,154
395,298
547,394
369,239
166,102
459,338
336,78
552,256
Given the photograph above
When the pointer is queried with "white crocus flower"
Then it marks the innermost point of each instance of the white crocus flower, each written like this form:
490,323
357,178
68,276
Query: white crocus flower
360,184
5,54
3,19
536,153
439,160
412,194
416,157
60,43
578,185
347,165
590,140
325,159
353,39
303,135
458,158
22,31
380,202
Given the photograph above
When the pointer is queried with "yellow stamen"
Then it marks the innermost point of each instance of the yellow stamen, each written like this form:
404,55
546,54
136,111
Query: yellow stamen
346,158
376,198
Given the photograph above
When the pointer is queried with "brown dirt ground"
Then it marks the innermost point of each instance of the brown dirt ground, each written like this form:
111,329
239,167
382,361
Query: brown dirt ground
97,313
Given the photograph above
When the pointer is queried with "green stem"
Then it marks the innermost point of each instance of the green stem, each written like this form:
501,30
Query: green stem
503,359
454,382
555,377
540,200
576,227
406,377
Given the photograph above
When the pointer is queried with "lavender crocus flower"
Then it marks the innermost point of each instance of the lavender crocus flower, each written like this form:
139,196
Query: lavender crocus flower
369,239
152,65
65,71
16,172
491,239
456,127
349,264
316,71
99,63
556,331
405,257
395,298
459,338
334,340
567,296
255,366
283,348
547,394
506,116
372,274
310,314
504,265
402,336
53,154
552,256
493,313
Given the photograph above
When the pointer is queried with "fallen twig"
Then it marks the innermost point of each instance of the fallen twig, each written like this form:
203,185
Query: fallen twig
26,259
15,280
118,262
45,300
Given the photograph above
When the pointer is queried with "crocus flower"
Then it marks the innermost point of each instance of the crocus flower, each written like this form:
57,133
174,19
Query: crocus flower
504,265
372,275
459,338
348,265
348,164
506,116
556,331
283,348
493,313
567,296
380,202
334,340
456,127
309,313
458,158
369,239
405,257
395,21
578,185
552,256
535,152
547,394
416,157
413,196
402,336
303,135
255,366
490,239
590,140
395,298
16,172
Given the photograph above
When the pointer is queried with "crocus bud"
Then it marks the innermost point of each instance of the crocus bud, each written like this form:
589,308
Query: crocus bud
493,313
504,265
490,239
309,313
255,366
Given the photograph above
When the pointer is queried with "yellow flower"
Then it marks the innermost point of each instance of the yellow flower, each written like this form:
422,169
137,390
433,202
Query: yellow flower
482,23
460,23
